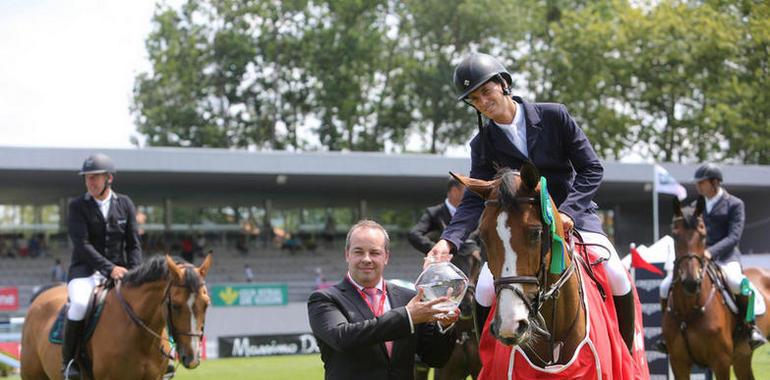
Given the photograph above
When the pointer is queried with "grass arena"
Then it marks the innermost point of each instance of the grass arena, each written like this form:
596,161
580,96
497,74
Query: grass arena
310,367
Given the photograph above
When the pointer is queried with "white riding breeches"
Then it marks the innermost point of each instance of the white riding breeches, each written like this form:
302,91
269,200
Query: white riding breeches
616,273
79,291
734,277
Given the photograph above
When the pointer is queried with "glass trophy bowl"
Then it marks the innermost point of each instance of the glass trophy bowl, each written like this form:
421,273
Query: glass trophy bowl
443,279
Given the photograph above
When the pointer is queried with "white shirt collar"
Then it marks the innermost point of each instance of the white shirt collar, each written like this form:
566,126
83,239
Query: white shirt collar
710,202
360,287
517,130
452,209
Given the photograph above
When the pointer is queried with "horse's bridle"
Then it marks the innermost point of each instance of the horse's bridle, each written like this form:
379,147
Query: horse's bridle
170,321
540,279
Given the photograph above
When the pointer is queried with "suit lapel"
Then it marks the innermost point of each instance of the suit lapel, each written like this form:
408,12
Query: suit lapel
502,143
533,124
445,217
94,207
722,200
350,293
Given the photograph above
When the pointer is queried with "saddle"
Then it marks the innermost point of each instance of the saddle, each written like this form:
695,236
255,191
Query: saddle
93,312
718,277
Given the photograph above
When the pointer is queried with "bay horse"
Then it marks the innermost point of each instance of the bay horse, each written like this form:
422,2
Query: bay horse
546,322
130,341
697,325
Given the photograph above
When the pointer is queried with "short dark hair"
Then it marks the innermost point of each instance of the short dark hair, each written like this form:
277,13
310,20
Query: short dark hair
453,182
366,223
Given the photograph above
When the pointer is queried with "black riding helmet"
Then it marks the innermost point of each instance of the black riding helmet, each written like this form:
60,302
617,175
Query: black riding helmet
472,72
96,164
708,171
475,70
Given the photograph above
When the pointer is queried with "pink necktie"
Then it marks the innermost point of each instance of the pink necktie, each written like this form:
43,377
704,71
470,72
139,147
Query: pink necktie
373,295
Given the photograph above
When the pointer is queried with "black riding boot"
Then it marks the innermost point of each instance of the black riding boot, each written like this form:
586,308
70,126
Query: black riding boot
660,345
756,338
626,312
73,331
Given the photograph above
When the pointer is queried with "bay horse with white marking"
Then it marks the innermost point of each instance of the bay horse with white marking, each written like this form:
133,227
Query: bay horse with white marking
549,319
130,341
697,325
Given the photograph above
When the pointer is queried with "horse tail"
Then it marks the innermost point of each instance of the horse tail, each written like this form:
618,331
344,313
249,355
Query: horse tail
43,289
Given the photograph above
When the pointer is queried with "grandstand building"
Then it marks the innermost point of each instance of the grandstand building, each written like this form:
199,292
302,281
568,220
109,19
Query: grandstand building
285,214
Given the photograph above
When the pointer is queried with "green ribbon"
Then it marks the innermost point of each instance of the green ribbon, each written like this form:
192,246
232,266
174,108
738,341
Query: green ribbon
557,248
746,290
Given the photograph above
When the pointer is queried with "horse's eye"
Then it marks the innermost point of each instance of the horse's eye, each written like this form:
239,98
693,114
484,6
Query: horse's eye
176,308
534,234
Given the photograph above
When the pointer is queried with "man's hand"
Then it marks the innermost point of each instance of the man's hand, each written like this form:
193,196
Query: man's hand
566,222
448,319
118,272
440,252
707,254
424,311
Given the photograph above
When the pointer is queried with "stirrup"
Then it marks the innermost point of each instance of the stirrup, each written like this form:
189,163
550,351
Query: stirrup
756,339
71,371
660,346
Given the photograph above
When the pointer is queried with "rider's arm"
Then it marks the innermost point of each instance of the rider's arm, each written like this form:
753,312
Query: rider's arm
133,243
78,231
725,246
588,168
466,219
417,235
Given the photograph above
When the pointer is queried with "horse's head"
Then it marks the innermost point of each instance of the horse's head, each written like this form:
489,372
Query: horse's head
689,234
511,228
188,300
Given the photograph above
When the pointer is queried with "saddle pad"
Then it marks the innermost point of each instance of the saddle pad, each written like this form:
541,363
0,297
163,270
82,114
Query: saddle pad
56,335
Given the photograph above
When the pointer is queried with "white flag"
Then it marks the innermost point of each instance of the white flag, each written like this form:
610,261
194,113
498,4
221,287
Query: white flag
665,183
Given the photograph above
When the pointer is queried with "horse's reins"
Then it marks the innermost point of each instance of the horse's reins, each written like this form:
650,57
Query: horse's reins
541,280
170,321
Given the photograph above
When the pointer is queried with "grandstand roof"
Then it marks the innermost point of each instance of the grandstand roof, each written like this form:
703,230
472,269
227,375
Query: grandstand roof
229,177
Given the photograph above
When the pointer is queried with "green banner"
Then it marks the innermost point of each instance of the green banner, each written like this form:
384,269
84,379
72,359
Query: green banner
249,294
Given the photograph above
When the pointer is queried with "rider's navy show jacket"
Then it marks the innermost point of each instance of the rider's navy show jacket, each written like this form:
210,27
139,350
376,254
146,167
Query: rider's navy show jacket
99,244
724,227
560,151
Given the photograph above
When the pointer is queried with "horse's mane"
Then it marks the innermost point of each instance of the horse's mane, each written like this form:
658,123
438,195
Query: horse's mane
507,189
156,269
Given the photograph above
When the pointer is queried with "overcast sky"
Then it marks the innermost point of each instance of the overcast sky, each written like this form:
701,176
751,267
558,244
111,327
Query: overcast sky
67,69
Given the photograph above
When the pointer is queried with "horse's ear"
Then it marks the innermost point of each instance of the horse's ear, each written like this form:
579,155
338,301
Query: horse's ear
530,176
204,268
677,207
480,187
700,206
176,272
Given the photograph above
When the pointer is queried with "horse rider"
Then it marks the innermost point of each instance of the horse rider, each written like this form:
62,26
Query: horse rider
102,227
545,134
724,218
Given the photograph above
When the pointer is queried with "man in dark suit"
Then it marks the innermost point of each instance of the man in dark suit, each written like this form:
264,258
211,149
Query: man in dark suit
724,218
546,135
434,220
105,240
368,328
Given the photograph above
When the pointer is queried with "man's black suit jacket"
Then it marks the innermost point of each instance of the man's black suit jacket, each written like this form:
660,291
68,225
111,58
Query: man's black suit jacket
352,340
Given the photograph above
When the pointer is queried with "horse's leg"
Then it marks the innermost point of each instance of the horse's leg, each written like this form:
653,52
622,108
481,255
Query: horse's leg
742,354
721,367
681,364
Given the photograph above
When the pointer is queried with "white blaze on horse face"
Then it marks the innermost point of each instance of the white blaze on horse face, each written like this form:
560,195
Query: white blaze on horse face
194,340
511,307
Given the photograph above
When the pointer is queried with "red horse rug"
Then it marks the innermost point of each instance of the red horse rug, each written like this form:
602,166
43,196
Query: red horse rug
601,355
